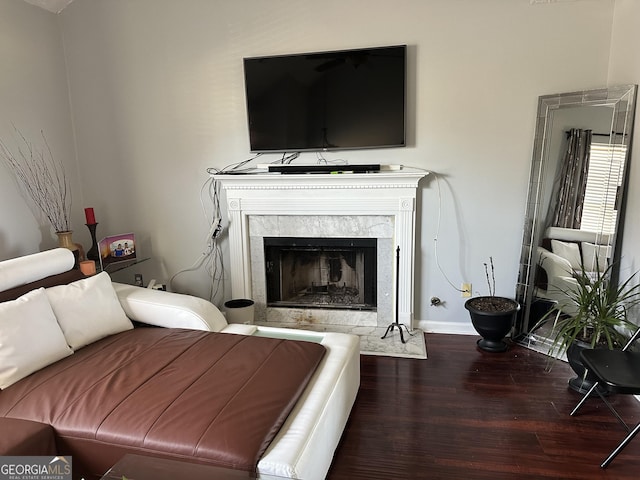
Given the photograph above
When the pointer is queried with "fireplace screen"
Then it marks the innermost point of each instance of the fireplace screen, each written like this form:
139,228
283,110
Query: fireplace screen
336,273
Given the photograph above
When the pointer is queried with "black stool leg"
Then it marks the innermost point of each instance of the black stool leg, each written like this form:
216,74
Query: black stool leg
584,399
619,448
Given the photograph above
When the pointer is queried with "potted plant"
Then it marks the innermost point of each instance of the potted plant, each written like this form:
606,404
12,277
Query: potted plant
598,319
44,180
492,316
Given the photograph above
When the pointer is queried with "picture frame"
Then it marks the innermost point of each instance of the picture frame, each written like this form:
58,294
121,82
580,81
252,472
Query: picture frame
117,249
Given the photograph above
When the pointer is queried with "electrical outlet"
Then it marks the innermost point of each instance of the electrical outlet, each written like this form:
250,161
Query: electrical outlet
466,290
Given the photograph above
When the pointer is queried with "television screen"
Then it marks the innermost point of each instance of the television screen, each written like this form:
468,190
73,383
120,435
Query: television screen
336,100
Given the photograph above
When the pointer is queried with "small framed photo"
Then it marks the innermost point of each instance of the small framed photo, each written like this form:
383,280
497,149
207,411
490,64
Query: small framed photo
117,249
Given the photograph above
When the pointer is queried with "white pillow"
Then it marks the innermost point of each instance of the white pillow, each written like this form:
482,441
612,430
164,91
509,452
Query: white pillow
88,310
29,268
569,251
169,310
593,253
30,337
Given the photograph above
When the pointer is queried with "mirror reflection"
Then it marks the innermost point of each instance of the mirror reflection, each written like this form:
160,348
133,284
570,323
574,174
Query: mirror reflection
576,197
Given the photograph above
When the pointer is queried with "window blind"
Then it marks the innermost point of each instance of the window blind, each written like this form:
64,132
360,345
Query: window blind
604,178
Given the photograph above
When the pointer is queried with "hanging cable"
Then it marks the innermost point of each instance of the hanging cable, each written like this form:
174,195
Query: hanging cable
210,258
435,240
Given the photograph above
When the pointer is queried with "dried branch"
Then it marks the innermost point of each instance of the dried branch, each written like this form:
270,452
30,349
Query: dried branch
491,283
42,178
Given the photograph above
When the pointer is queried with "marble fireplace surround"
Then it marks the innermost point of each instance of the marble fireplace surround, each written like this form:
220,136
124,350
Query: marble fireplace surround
372,205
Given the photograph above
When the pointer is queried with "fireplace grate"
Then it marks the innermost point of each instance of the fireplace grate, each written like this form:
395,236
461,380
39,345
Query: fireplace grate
335,273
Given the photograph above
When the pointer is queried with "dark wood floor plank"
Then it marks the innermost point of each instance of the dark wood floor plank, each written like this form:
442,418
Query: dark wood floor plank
467,414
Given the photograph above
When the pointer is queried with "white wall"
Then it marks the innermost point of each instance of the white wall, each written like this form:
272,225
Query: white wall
33,97
157,94
625,69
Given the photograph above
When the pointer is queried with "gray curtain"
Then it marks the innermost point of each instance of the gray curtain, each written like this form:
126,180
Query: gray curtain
570,181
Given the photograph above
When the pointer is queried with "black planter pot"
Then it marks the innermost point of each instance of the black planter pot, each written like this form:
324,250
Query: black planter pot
583,381
492,325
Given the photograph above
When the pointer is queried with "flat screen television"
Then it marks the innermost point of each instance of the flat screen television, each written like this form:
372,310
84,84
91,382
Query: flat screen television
347,99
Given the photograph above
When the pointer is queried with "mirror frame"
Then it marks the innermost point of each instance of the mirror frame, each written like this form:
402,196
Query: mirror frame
623,100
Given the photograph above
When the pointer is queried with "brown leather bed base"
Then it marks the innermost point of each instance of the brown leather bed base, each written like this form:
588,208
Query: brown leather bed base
205,397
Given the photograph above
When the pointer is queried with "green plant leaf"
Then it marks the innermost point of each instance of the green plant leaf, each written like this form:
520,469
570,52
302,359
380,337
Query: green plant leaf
601,316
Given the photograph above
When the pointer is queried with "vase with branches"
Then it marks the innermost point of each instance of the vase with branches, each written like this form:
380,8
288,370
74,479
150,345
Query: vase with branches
43,179
492,316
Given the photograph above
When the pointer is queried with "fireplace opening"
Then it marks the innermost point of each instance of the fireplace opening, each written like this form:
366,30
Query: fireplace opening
338,273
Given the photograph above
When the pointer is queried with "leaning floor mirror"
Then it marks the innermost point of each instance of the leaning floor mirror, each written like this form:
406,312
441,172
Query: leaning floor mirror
575,208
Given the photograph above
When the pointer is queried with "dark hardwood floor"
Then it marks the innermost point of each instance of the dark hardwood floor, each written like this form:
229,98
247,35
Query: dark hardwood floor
468,414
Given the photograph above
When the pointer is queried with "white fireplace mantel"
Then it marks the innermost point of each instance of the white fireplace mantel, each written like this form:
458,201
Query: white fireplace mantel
390,193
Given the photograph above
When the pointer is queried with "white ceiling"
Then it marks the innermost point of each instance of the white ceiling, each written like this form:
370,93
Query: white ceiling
55,6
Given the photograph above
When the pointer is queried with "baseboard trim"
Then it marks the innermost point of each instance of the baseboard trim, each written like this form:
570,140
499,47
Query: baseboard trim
430,326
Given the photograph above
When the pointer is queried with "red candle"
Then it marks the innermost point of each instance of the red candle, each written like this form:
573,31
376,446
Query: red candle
91,218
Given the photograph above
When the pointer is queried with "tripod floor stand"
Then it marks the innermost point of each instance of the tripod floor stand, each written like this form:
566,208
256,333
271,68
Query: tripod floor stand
396,324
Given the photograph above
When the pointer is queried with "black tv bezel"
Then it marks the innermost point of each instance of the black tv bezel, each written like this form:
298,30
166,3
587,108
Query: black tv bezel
404,47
